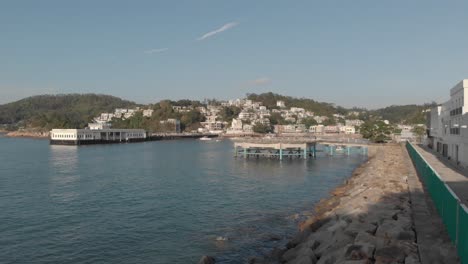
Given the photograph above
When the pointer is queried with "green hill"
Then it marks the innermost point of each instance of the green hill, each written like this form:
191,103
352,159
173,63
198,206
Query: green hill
319,108
58,111
406,114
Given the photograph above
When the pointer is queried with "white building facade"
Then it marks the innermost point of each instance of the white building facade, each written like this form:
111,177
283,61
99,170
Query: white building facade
448,126
95,136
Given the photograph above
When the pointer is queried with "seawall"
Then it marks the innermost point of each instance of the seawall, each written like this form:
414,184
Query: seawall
369,219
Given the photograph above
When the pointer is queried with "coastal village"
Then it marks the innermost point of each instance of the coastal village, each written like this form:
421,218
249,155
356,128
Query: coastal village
296,121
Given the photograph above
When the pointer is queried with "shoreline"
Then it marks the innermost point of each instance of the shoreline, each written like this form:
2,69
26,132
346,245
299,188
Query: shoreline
26,134
367,219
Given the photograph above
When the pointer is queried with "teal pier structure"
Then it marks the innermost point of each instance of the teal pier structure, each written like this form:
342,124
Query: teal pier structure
278,150
295,148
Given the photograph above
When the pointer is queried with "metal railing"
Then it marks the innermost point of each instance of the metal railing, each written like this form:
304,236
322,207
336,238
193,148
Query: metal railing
454,214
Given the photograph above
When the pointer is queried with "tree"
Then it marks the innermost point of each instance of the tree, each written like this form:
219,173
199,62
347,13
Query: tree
329,122
261,128
419,131
308,122
376,131
227,113
277,119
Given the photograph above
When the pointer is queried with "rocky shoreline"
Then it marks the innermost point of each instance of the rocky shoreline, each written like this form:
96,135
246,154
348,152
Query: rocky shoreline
28,134
366,220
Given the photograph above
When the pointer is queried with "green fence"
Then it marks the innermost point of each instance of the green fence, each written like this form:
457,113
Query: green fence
453,213
462,238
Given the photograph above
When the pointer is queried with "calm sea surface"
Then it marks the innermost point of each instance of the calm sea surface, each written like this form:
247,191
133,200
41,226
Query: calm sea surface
152,202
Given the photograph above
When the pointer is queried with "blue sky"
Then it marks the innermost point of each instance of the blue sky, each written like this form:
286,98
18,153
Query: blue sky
351,53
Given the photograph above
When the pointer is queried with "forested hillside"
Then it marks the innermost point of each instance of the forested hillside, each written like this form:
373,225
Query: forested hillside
44,112
405,114
58,111
319,108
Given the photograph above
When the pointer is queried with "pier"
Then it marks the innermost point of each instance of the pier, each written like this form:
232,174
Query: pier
275,150
281,148
112,136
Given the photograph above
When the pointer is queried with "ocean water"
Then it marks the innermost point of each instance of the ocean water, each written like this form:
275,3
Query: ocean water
153,202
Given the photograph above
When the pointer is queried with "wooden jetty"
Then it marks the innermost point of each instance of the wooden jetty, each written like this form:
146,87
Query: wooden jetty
293,148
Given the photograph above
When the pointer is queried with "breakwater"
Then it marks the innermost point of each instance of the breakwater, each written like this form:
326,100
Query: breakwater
366,220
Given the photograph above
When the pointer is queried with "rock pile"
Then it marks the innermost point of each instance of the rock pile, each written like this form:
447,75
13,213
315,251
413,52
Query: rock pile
367,220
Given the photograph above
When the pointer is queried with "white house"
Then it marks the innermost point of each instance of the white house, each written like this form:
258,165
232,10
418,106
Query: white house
148,112
236,124
318,129
448,126
245,115
348,130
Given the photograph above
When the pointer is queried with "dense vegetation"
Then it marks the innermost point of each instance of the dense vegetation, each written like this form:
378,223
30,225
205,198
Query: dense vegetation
376,131
319,108
406,114
58,111
76,110
163,111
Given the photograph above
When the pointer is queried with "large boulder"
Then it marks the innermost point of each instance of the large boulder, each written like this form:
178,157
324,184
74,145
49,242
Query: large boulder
355,227
299,252
394,230
388,255
337,242
359,251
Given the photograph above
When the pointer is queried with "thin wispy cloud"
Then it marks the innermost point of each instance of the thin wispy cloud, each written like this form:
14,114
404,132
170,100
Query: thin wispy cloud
153,51
219,30
261,81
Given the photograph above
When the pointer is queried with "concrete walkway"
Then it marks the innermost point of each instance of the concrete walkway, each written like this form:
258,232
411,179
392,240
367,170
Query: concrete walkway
434,245
453,176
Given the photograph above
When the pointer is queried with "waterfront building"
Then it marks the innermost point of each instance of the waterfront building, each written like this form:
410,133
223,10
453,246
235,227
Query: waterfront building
331,129
317,129
300,128
236,124
279,129
447,126
348,130
95,134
